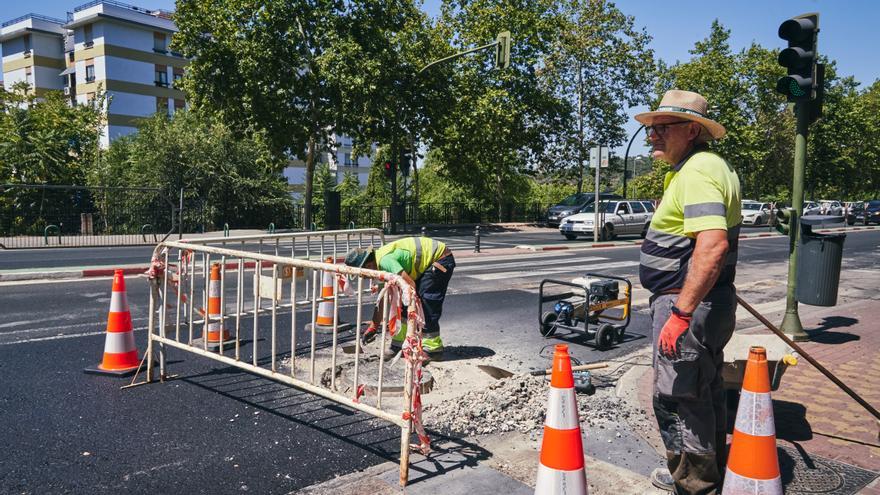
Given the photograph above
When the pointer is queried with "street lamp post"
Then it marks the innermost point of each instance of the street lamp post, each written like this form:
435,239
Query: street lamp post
626,156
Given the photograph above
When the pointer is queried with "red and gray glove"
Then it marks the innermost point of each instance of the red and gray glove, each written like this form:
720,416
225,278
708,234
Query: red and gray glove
672,333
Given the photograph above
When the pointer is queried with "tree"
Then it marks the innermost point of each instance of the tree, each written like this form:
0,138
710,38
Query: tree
600,65
46,140
500,122
299,69
236,178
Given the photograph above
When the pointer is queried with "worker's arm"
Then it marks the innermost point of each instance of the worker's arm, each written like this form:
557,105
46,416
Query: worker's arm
707,261
407,279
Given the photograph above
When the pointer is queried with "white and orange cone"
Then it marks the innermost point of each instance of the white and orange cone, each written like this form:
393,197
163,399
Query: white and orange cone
324,318
120,354
561,471
753,465
216,330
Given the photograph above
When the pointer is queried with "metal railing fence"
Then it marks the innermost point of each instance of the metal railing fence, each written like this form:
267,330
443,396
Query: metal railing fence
51,216
263,303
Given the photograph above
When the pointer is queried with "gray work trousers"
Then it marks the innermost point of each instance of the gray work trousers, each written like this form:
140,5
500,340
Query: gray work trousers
689,400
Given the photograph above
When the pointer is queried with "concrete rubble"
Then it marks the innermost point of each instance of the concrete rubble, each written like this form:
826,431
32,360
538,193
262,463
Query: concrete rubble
519,404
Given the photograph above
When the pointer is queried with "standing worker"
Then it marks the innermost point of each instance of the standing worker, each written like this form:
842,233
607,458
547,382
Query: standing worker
426,265
688,262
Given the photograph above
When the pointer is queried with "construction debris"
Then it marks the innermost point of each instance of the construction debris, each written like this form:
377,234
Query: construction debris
519,403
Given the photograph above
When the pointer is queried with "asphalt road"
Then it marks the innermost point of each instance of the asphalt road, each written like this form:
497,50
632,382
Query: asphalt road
218,430
457,239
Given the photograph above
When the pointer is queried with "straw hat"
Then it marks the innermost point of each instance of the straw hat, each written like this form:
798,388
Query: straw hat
689,106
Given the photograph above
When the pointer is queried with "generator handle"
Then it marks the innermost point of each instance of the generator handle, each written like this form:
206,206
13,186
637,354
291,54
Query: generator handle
541,299
629,288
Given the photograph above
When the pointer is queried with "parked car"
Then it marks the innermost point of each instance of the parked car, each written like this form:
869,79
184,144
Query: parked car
830,207
811,208
573,204
872,211
855,213
621,217
755,213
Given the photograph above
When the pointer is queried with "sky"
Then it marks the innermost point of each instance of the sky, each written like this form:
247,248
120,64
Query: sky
845,27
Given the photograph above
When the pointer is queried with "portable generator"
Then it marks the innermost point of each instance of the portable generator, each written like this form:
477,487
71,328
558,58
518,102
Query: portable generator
593,305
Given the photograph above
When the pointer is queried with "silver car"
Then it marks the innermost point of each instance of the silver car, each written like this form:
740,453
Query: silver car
755,213
617,217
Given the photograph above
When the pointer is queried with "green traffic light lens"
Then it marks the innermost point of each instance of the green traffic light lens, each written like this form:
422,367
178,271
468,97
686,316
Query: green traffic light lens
795,88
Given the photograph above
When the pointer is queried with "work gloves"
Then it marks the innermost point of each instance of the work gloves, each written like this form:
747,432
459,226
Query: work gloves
672,334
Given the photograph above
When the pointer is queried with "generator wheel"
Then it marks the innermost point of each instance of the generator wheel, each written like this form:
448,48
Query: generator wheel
619,332
548,324
605,336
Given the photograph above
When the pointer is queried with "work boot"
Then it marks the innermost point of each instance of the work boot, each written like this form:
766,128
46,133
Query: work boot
661,478
433,345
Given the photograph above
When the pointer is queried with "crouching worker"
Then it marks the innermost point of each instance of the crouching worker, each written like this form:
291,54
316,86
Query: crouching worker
426,265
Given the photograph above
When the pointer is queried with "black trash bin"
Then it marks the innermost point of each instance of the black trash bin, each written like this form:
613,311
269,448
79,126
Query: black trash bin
818,262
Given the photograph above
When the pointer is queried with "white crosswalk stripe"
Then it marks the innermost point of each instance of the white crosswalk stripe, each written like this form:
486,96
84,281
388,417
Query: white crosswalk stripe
542,272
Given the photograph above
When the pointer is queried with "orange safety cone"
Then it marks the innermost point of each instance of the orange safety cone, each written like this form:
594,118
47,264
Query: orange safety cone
216,330
753,465
561,471
324,318
120,353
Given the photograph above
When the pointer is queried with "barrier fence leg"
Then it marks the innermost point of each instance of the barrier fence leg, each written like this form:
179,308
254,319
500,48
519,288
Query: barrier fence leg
406,429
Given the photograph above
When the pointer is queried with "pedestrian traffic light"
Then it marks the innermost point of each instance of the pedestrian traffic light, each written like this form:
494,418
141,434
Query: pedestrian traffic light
502,50
799,58
389,170
785,218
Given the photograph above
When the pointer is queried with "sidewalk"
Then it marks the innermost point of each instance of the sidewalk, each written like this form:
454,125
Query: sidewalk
815,420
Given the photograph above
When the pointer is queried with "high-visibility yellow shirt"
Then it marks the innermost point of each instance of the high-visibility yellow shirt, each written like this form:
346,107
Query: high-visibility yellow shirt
414,255
702,192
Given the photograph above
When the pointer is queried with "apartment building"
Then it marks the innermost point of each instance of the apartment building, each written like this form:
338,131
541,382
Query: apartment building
338,157
104,45
123,49
33,52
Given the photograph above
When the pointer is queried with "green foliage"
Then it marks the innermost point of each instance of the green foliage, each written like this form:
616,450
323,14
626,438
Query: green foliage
235,177
349,189
46,140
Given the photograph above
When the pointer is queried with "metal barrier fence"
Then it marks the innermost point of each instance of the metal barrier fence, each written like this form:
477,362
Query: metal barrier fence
34,216
267,293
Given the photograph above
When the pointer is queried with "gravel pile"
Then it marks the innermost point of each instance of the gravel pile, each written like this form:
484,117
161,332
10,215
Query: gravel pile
518,403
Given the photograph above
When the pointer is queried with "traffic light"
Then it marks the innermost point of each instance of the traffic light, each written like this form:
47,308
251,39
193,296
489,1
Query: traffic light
799,58
502,50
404,163
389,170
785,218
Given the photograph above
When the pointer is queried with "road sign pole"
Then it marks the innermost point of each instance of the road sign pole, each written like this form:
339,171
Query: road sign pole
596,202
791,323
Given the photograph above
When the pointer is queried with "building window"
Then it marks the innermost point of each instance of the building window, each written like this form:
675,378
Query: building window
28,76
90,98
161,75
178,75
347,160
70,56
87,36
27,44
179,105
90,70
159,43
162,105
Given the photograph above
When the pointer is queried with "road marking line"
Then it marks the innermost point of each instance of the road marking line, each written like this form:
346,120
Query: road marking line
58,337
531,263
550,271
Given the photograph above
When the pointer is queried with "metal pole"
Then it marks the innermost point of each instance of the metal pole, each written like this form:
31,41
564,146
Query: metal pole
477,239
791,323
180,217
626,157
596,201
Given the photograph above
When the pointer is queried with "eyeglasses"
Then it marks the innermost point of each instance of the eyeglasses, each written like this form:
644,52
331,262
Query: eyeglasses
662,129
